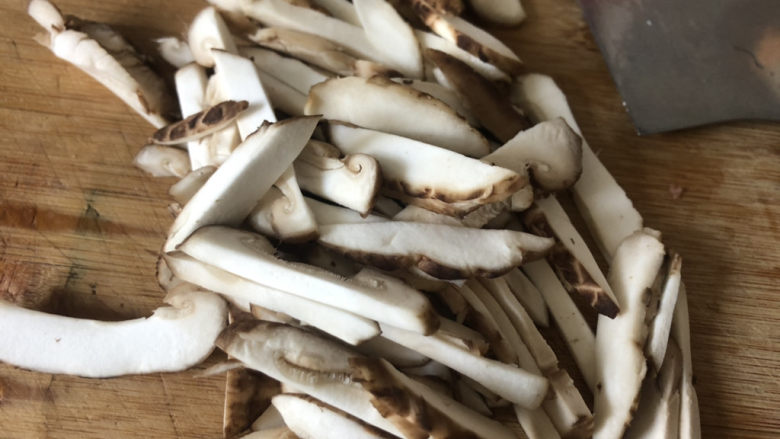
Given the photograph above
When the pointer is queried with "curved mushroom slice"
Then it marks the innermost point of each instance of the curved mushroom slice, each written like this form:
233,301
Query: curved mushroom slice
430,40
283,97
506,12
162,161
344,325
469,38
174,338
106,56
550,149
376,297
285,211
208,31
510,382
191,183
443,94
318,52
428,176
326,214
381,104
391,36
445,252
288,70
415,214
309,417
352,181
231,193
200,124
491,107
279,13
634,270
575,265
607,210
174,51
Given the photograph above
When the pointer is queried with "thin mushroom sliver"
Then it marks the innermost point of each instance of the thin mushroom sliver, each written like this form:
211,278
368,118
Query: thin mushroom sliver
200,124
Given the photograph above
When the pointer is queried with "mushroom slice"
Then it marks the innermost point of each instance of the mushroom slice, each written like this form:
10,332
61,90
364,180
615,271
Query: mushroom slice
288,70
270,419
391,36
305,362
200,124
275,433
510,382
469,38
381,104
341,9
341,324
373,296
658,412
634,270
191,183
208,31
529,296
415,214
575,330
238,79
318,51
352,181
106,56
416,401
191,89
551,150
462,336
174,51
231,193
309,417
247,395
286,212
607,210
506,12
327,214
386,206
489,105
443,94
444,252
397,355
162,161
663,313
369,389
283,96
430,40
566,407
173,338
454,7
573,261
690,425
536,423
471,398
279,13
429,176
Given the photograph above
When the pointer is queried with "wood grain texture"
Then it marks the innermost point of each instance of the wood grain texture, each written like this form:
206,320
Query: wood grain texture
80,227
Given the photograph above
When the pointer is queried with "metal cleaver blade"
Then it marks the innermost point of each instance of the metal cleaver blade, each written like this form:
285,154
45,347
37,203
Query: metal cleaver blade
685,63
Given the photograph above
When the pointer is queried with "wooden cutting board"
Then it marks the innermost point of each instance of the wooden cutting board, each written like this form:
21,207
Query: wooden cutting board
80,227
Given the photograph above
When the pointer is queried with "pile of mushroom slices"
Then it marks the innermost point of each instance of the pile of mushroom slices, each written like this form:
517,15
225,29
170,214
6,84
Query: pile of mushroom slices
367,223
